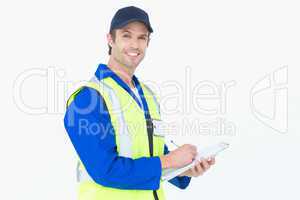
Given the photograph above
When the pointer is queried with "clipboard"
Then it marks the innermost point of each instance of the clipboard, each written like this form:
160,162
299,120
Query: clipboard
210,151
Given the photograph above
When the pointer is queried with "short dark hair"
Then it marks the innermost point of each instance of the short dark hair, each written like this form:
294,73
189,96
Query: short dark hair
113,35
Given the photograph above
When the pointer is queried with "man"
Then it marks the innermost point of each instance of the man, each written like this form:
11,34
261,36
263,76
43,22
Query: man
112,123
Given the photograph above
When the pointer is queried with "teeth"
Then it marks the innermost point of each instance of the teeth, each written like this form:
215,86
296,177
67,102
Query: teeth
132,54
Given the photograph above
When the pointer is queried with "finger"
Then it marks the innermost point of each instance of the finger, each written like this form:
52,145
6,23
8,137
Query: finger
199,169
212,161
205,165
193,171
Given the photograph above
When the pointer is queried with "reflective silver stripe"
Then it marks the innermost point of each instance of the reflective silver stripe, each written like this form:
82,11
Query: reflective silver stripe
78,171
82,175
154,97
125,139
124,136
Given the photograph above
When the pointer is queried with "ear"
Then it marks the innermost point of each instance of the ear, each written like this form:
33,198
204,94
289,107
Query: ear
109,39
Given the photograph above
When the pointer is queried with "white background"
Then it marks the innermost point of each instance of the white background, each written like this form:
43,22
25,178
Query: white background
219,41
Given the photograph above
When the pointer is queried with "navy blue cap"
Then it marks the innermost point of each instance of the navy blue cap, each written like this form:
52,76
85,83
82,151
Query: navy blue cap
130,14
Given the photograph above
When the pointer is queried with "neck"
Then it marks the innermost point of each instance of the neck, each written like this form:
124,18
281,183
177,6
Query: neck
122,71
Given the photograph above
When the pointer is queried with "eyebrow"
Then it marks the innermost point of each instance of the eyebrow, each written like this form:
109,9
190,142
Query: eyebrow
128,31
144,35
125,31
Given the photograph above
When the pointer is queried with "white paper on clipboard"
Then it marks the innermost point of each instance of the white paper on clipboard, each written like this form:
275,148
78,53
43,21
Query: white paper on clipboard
204,153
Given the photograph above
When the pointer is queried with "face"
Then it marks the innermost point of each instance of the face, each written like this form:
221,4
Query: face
130,44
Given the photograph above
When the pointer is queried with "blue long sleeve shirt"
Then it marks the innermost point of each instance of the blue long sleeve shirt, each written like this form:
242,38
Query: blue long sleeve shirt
93,138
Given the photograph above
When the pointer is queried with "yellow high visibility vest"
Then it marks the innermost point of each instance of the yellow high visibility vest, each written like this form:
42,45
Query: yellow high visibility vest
131,136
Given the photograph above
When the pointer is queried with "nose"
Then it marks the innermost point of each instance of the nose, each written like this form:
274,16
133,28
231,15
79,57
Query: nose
134,43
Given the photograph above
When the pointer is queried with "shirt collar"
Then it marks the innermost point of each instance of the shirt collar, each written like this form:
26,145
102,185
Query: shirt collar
103,71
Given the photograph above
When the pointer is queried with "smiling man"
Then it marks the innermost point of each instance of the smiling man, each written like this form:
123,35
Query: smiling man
111,123
127,48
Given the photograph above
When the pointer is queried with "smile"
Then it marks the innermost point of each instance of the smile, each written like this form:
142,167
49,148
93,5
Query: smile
131,54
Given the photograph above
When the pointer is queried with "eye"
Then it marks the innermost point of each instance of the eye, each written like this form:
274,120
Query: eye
143,38
126,36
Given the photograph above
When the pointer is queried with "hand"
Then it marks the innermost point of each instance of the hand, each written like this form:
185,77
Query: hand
179,157
199,168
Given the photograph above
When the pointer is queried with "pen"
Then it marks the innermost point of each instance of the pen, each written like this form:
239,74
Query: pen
174,143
